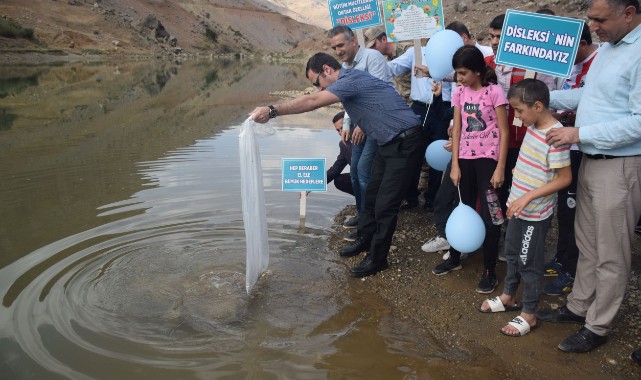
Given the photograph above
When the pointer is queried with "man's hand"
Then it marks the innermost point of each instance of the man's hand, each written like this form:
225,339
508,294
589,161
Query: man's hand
358,136
562,136
423,69
260,115
345,135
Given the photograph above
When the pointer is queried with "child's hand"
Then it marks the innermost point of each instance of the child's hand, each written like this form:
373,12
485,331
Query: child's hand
437,88
455,175
517,206
497,179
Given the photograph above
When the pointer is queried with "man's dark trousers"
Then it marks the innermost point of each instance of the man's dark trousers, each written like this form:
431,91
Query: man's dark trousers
386,189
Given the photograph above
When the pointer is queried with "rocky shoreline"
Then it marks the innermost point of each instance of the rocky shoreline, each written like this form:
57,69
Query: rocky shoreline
444,308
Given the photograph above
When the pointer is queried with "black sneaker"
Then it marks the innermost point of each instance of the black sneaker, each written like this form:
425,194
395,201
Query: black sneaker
446,267
351,235
561,285
488,282
351,222
552,268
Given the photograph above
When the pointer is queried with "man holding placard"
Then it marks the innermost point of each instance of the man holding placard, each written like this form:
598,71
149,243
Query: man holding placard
608,131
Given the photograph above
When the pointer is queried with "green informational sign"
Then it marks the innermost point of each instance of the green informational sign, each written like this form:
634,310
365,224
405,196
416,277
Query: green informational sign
357,14
542,43
304,174
405,20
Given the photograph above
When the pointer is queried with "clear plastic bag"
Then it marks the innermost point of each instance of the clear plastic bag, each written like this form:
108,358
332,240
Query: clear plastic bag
253,201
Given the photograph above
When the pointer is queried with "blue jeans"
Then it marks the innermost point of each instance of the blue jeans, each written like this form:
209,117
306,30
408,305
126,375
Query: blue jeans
360,169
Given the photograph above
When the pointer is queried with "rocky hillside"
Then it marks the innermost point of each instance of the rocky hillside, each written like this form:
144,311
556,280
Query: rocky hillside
209,27
153,26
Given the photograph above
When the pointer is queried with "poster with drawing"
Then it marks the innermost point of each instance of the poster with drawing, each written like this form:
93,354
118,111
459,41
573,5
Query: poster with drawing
412,20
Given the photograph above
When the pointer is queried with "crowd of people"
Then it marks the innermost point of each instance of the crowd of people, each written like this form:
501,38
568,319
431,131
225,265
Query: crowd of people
546,145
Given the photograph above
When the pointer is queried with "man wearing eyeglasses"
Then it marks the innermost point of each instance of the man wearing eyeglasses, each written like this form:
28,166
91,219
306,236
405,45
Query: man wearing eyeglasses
385,116
352,55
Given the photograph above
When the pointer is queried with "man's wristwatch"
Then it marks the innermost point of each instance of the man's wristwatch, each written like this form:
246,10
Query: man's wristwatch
272,111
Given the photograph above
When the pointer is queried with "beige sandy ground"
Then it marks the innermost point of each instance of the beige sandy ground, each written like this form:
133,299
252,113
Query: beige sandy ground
445,308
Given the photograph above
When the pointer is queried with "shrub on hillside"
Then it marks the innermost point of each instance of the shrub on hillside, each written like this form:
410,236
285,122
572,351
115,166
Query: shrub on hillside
11,29
212,35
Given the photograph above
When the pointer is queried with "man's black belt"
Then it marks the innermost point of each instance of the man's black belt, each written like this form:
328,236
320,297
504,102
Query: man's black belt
424,105
602,156
408,132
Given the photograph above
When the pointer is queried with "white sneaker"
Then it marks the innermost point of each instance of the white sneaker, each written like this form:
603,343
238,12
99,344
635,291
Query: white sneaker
446,255
435,245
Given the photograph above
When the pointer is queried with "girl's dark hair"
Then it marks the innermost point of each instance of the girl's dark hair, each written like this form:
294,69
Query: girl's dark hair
470,57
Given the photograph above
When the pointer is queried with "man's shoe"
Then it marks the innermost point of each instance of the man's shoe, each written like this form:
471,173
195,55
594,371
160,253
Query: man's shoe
435,245
561,285
560,315
354,249
351,235
488,282
367,267
408,205
636,356
446,267
428,207
583,340
552,268
351,222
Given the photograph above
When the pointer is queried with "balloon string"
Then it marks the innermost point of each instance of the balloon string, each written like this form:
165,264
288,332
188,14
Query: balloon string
459,193
428,110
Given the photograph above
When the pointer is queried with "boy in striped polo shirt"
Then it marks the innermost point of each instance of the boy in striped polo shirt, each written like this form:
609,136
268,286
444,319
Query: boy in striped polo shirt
540,172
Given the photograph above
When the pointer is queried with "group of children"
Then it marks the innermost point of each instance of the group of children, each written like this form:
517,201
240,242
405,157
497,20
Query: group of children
479,152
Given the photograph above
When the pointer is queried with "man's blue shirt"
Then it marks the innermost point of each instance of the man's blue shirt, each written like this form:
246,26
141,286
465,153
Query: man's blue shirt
373,104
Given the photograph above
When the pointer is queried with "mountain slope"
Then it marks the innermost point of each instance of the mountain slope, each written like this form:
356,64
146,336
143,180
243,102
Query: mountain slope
154,26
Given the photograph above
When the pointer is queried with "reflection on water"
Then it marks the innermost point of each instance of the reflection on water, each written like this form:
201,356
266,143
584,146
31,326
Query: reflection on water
122,237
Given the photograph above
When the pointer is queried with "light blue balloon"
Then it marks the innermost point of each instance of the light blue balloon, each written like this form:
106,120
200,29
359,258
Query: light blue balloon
436,156
465,229
439,50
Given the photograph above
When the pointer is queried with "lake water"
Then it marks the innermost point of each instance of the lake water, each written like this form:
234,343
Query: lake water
122,247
